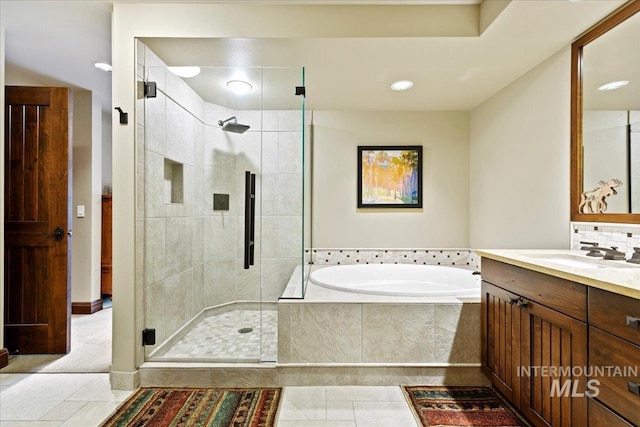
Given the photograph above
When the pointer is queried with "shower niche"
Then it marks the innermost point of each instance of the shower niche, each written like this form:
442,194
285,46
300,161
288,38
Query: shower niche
195,139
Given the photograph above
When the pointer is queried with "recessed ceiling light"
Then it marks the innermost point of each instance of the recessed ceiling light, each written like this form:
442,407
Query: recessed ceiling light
185,72
239,87
402,85
103,66
613,85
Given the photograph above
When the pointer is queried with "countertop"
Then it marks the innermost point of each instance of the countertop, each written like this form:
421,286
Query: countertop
619,277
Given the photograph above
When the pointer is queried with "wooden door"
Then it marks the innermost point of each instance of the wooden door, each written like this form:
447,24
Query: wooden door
37,219
501,340
551,340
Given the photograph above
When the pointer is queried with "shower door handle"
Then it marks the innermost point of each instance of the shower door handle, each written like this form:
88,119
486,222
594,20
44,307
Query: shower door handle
252,247
249,218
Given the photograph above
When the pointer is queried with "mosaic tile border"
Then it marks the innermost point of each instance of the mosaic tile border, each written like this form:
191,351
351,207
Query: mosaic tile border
623,236
425,256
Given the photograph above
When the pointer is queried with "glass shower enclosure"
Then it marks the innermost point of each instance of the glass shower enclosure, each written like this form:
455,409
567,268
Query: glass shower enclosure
225,210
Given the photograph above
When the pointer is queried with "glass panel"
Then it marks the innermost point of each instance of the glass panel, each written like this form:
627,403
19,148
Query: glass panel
307,156
201,301
200,140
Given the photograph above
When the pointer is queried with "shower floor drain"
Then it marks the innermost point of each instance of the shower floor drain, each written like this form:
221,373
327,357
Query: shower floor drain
245,330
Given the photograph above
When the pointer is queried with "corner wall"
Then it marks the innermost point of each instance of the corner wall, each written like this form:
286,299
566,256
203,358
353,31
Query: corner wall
519,170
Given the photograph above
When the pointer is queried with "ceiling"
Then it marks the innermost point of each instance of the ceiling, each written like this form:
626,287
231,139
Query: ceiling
56,42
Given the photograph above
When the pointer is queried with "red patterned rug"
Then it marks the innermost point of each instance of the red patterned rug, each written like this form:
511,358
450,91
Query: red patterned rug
214,407
459,406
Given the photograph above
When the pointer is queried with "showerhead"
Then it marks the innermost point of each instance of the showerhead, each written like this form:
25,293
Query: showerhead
232,125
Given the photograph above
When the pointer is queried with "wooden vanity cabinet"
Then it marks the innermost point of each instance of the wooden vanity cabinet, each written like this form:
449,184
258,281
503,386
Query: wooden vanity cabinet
531,321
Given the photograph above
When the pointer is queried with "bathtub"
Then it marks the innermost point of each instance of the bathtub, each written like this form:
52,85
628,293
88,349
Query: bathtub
398,280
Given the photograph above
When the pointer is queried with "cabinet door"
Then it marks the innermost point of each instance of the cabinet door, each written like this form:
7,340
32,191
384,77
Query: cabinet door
553,392
501,340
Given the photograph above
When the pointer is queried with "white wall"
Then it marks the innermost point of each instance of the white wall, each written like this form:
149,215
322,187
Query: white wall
519,194
444,219
87,186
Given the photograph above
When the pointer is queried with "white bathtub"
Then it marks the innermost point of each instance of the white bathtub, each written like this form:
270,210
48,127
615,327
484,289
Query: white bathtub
398,279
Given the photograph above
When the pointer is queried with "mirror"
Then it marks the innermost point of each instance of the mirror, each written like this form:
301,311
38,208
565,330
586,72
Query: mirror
605,122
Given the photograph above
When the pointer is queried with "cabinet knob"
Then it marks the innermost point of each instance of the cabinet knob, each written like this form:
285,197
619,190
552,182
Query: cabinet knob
519,301
634,388
633,322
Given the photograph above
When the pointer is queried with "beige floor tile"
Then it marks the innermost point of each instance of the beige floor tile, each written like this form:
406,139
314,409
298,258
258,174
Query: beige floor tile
91,414
316,423
303,403
365,394
340,410
63,411
384,414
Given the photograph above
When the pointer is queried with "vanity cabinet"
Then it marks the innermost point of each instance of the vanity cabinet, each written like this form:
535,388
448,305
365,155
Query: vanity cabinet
532,322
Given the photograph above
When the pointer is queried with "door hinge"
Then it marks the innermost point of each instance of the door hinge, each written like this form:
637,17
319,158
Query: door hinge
301,90
148,337
150,90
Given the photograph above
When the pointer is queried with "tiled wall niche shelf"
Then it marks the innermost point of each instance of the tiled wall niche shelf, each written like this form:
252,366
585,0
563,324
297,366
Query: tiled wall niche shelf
173,182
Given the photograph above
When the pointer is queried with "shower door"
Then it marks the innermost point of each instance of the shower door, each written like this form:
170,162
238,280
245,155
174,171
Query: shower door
220,211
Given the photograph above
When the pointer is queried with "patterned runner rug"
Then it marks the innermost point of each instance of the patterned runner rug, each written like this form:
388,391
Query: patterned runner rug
214,407
459,406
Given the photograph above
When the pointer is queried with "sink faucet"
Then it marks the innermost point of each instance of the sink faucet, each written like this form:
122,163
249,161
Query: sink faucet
613,253
607,253
593,249
635,258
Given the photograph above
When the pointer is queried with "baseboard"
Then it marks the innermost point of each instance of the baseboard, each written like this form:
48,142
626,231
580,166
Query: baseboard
124,380
4,357
86,307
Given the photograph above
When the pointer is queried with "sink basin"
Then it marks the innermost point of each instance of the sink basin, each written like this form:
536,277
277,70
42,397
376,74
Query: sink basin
581,261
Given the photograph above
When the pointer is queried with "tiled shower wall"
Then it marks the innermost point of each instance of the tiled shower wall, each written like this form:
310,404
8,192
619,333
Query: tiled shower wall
623,236
188,256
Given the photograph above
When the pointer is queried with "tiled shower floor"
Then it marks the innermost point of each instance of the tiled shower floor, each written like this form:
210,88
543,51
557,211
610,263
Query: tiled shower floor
218,338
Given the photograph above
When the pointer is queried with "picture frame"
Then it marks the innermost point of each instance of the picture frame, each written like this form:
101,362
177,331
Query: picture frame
390,176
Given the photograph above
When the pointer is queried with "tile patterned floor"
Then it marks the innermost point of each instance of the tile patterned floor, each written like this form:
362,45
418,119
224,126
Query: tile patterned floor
85,400
218,338
68,400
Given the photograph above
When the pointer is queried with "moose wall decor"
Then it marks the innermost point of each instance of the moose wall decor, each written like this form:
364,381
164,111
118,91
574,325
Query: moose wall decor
594,201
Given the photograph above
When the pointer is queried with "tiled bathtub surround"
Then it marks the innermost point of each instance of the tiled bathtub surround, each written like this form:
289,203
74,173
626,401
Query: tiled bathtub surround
333,327
335,256
623,236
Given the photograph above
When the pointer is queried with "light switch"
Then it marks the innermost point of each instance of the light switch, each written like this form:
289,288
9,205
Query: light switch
80,213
